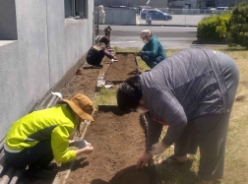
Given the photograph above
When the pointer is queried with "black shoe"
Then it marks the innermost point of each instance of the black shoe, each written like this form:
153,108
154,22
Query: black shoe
52,166
40,173
98,66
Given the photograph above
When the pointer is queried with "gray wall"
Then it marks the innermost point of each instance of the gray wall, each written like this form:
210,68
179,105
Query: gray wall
118,16
47,47
227,3
153,3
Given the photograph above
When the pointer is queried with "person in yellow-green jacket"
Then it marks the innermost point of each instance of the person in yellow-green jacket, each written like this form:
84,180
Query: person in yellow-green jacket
41,136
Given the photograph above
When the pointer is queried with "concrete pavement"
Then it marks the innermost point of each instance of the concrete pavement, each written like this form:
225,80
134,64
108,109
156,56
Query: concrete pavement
170,37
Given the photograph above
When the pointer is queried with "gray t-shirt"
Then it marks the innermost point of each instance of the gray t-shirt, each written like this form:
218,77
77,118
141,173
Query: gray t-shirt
184,86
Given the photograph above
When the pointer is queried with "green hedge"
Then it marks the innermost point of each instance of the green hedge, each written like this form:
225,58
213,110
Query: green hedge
213,29
239,25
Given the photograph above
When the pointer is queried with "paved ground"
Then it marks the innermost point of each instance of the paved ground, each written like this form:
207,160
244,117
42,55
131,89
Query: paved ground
190,20
170,37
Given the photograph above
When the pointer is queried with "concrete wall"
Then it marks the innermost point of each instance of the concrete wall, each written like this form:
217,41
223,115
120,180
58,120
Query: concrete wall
47,47
119,16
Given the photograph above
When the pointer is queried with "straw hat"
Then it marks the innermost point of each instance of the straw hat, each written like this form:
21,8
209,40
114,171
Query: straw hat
82,106
145,33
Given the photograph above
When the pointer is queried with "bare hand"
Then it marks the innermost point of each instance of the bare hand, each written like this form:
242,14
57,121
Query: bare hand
85,150
143,160
88,149
158,148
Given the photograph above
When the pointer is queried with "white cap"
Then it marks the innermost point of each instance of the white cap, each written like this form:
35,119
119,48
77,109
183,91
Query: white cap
145,32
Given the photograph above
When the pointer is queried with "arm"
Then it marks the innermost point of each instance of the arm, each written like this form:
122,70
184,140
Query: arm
60,144
153,133
170,110
110,56
153,51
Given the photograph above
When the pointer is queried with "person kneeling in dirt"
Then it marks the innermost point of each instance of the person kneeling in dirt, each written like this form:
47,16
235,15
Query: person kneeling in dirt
107,32
153,52
193,93
97,52
39,137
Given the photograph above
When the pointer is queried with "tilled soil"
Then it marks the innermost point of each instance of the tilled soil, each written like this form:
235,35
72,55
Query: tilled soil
85,83
123,69
117,140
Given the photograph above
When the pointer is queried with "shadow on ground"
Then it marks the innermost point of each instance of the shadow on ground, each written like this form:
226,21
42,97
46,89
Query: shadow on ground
168,174
180,174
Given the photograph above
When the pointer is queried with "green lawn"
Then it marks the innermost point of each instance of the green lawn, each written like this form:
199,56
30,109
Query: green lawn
236,164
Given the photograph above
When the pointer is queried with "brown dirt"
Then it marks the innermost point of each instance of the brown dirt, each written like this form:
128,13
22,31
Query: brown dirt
117,140
123,69
85,83
240,98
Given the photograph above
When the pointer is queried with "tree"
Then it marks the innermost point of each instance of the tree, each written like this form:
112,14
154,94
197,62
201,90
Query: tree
239,25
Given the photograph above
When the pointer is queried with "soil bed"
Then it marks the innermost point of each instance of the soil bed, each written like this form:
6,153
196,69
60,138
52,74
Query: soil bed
117,140
125,67
85,83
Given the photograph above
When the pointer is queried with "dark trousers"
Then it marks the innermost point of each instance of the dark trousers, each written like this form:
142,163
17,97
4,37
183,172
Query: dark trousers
152,62
96,60
210,132
38,156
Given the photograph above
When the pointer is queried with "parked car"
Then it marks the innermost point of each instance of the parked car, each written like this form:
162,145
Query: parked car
155,14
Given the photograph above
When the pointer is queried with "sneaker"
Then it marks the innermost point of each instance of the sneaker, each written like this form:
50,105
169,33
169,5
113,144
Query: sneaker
98,66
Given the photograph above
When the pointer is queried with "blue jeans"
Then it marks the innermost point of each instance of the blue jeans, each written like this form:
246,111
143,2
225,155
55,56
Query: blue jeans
152,62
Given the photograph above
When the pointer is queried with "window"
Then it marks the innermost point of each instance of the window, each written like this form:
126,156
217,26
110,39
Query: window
81,8
76,8
8,24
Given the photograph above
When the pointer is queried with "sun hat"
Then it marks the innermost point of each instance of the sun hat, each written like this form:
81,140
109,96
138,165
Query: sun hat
82,106
144,33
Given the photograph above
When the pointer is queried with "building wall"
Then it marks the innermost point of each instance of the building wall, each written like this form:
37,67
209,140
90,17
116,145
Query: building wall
227,3
47,47
221,3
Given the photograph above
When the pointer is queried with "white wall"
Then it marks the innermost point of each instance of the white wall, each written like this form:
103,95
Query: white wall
47,47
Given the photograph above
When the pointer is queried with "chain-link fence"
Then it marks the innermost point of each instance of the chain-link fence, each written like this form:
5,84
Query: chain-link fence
163,16
182,17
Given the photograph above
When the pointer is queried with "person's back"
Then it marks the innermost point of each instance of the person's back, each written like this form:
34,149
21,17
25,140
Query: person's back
189,78
38,126
154,43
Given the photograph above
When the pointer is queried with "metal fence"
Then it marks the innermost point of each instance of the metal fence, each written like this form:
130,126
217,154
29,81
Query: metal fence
181,17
